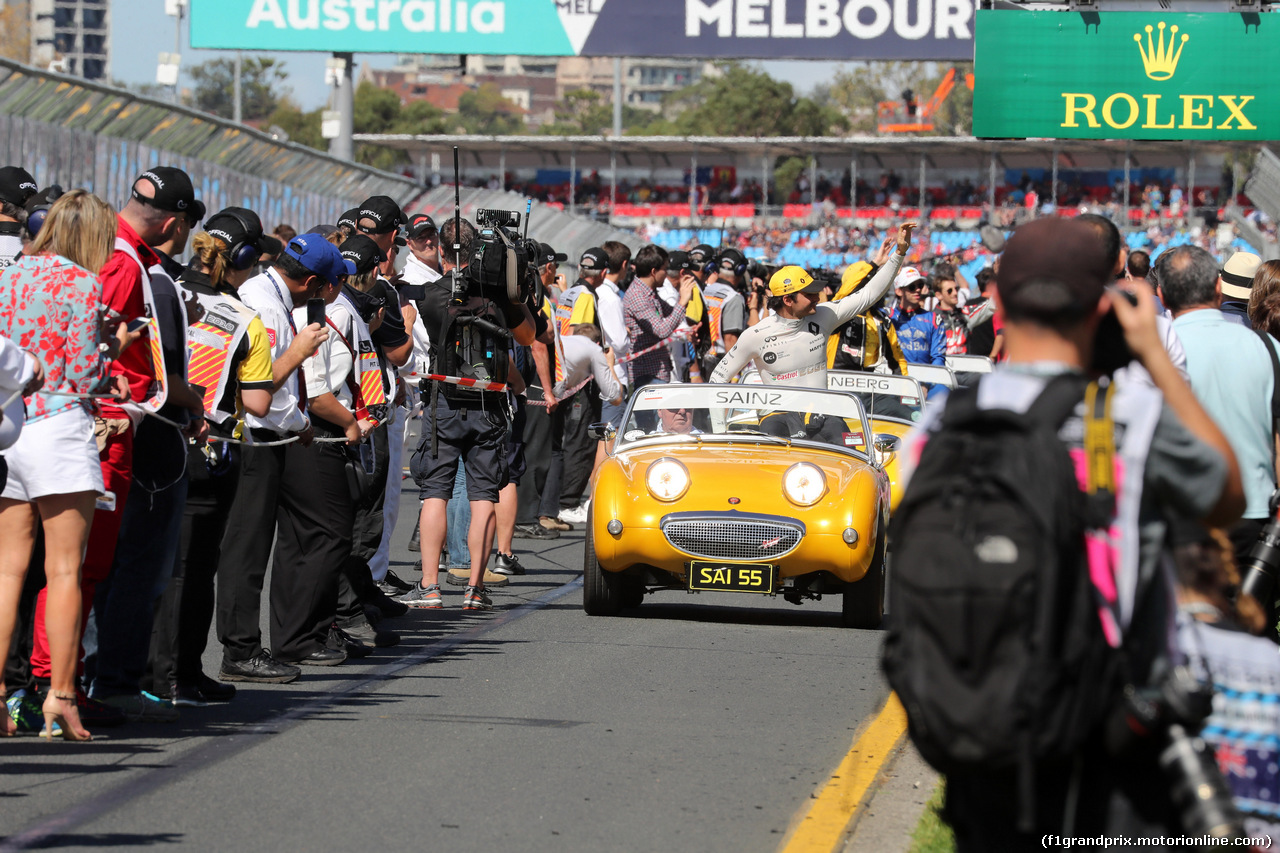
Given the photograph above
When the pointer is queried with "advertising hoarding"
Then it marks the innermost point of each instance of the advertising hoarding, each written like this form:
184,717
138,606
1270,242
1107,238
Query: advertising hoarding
709,29
1125,75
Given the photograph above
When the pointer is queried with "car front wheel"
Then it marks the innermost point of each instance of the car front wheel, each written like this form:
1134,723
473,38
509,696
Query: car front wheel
602,592
863,605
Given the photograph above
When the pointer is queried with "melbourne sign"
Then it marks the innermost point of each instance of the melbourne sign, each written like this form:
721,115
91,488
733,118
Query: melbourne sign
765,29
1125,75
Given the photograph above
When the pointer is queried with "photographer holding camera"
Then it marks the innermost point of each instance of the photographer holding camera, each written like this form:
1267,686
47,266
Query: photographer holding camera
1032,644
472,321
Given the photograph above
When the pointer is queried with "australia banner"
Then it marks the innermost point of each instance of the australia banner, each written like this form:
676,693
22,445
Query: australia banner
1125,75
709,29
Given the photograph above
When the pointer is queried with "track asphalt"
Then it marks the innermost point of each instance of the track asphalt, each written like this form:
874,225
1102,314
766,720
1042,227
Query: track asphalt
696,722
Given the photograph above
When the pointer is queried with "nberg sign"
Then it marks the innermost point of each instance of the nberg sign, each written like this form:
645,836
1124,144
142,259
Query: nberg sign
809,29
1125,75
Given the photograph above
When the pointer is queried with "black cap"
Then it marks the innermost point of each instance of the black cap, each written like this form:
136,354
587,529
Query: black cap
361,251
173,191
548,255
702,253
16,185
349,218
677,259
197,212
420,224
234,225
593,260
384,212
44,199
730,259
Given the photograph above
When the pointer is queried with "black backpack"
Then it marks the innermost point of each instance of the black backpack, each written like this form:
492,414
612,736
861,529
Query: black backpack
994,644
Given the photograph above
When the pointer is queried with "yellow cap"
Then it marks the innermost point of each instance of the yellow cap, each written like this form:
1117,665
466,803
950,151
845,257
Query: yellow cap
792,279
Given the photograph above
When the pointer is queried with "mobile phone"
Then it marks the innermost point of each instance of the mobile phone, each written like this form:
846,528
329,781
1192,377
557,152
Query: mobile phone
137,324
315,312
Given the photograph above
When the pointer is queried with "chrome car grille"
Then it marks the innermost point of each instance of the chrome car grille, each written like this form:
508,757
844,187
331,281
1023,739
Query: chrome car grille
732,536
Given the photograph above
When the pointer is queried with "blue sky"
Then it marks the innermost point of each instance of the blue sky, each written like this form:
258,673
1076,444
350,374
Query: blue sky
135,51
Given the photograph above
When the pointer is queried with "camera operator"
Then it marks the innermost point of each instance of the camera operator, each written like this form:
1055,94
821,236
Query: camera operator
461,424
267,488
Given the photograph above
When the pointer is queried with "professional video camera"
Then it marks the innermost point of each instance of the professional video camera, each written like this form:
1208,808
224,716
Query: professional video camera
500,261
1169,716
1258,574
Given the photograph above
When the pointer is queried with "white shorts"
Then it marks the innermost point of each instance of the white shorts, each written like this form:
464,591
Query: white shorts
54,456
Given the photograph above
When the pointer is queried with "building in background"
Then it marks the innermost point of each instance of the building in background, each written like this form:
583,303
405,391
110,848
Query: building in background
70,36
536,83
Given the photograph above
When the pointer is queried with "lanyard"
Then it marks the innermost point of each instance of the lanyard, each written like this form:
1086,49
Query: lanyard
288,315
280,291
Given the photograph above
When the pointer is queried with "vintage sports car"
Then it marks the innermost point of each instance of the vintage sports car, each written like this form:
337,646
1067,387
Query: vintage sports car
740,488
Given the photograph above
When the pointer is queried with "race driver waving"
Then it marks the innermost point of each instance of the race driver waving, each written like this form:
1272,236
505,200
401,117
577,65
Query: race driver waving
790,346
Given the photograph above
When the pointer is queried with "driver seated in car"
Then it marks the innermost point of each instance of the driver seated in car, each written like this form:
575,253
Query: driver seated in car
677,421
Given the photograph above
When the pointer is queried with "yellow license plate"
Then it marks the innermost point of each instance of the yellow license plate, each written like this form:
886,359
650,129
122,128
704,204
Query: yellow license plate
732,577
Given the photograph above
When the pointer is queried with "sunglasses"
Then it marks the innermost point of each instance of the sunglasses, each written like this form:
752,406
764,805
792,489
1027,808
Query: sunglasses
914,286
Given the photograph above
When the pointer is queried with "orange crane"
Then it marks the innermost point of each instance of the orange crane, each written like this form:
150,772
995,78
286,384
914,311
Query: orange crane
904,116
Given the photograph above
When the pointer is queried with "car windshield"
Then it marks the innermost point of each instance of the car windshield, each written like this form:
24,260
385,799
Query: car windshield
756,412
882,395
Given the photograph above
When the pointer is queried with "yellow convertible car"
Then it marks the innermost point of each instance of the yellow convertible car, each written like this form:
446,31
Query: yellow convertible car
894,405
751,489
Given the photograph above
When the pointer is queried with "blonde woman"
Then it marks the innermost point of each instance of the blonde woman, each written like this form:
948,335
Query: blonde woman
49,306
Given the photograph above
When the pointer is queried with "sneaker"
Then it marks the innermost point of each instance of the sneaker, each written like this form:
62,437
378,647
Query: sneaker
393,580
476,601
554,523
415,538
339,640
390,605
535,531
577,515
95,714
443,563
260,669
142,707
188,696
462,577
423,599
215,691
27,711
507,564
371,636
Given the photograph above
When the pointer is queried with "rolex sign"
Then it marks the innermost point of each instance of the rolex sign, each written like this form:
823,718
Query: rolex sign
1126,75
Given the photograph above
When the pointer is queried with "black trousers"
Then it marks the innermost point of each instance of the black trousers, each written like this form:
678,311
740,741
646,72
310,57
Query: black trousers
579,447
17,669
355,581
539,490
181,629
313,539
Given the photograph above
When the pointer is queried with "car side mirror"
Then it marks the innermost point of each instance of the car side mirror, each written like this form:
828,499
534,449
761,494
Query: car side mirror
602,431
886,445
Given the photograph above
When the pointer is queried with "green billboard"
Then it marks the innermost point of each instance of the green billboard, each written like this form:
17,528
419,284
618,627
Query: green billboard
1126,75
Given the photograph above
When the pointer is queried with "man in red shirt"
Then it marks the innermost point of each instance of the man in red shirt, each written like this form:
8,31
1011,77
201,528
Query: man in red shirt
157,207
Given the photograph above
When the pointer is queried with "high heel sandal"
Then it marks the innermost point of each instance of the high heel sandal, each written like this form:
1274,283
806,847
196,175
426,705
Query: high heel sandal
69,732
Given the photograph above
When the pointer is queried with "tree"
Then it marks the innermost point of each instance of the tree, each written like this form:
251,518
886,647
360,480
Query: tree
583,112
296,126
746,101
15,32
261,87
484,111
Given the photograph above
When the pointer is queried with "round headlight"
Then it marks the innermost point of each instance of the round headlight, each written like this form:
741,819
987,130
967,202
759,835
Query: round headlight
667,479
804,484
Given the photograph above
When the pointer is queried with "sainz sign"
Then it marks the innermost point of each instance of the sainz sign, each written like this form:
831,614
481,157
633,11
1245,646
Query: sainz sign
764,29
1125,75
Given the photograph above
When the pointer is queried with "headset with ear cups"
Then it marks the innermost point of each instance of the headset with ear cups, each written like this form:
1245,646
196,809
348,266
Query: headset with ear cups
739,268
38,207
244,252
